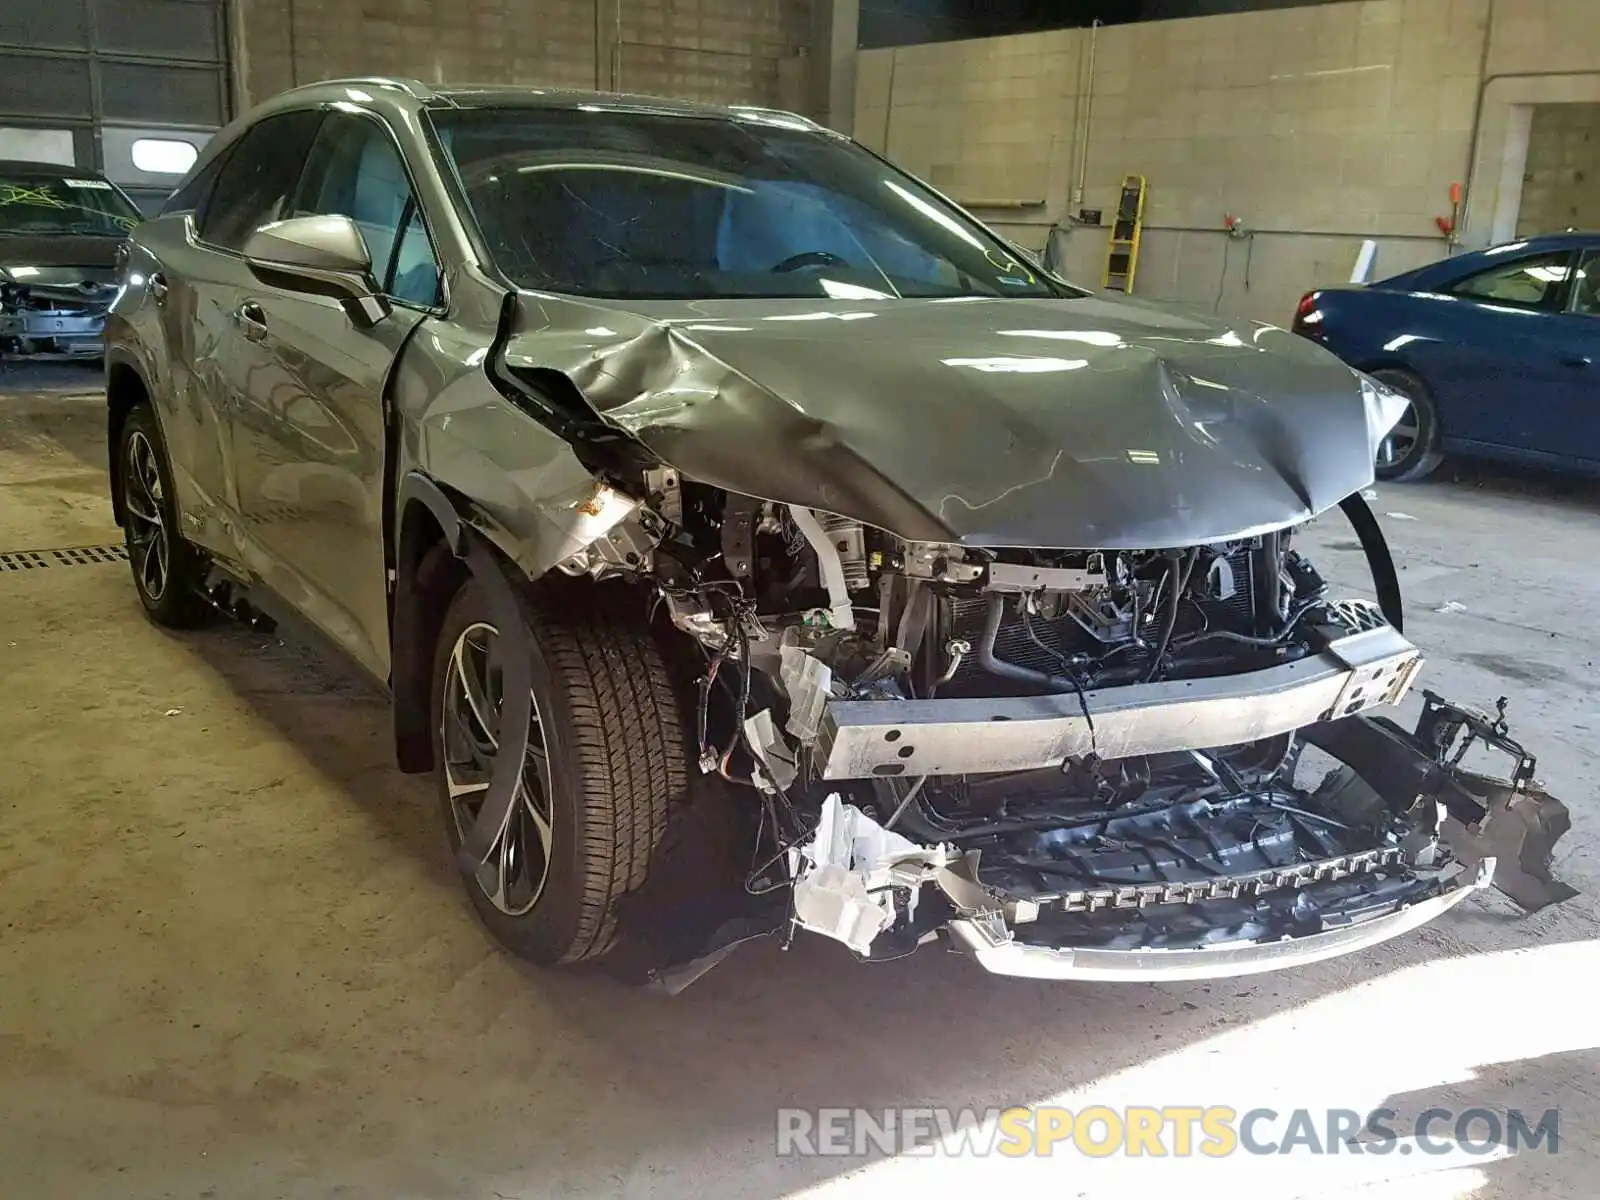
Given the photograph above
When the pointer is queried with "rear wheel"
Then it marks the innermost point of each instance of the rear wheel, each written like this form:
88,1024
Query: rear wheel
168,571
1411,451
603,759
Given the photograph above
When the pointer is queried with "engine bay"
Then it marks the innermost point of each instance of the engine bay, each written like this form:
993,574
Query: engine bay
1080,749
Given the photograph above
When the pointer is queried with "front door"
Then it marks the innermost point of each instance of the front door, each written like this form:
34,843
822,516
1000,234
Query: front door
310,397
1500,378
1577,351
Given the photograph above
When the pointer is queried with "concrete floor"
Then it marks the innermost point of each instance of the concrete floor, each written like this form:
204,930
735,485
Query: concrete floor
236,965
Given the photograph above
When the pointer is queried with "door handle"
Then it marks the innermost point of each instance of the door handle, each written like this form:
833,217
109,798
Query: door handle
156,285
252,321
1577,360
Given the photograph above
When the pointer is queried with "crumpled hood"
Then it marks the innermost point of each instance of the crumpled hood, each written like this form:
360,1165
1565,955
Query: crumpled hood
1093,422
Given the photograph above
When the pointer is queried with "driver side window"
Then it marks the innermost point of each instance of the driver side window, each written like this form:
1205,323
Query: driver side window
355,171
1533,281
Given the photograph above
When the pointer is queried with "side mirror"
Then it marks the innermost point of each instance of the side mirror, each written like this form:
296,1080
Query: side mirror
321,256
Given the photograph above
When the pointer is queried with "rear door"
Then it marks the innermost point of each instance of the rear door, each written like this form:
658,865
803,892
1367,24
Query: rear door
197,278
1498,374
310,395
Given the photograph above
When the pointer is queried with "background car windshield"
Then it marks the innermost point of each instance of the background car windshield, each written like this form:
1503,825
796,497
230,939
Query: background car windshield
653,206
63,204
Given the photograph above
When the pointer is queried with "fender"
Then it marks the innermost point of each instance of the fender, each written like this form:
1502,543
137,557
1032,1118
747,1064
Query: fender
418,487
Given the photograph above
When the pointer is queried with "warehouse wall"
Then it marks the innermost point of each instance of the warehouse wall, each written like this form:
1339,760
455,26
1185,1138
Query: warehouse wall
727,50
1319,126
1561,183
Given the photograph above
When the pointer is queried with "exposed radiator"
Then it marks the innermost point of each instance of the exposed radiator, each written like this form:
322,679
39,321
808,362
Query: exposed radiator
1063,636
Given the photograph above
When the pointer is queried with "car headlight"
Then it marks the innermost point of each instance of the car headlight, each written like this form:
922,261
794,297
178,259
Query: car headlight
1384,407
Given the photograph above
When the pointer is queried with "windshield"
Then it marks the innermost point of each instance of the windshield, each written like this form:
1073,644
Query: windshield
42,204
598,202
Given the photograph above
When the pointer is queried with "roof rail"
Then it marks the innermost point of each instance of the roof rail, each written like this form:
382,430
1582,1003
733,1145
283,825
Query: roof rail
414,88
783,114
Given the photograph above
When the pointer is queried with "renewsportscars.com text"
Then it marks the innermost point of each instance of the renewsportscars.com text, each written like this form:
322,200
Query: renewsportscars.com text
1177,1131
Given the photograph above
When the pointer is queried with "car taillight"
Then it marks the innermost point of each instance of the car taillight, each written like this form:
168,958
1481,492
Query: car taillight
1308,316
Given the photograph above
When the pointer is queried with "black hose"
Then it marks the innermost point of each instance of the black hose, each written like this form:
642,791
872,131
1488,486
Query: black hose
1265,582
993,615
995,666
1276,639
1384,580
1180,579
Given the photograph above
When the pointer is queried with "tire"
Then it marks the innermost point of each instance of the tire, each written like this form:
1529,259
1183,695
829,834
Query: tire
615,761
168,571
1421,457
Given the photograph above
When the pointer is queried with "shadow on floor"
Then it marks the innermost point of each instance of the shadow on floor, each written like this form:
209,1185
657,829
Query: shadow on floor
1561,489
1503,1121
767,1028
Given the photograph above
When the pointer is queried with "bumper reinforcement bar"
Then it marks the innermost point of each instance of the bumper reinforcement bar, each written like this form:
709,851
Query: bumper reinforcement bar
861,739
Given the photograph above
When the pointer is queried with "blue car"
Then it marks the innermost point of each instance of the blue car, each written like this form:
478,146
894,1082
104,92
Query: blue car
1498,351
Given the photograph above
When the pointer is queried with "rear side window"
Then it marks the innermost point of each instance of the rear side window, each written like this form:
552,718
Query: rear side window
1532,281
258,179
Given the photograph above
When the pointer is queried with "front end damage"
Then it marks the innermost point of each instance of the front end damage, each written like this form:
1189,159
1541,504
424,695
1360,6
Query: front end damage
1016,711
1089,765
1253,877
55,314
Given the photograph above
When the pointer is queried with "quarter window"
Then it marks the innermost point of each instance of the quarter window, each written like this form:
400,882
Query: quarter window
1533,281
258,179
356,171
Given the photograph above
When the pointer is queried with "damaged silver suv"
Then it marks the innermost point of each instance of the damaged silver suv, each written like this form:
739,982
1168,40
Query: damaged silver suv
631,443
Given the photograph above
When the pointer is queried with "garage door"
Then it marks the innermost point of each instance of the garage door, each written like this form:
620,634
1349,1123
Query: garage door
131,87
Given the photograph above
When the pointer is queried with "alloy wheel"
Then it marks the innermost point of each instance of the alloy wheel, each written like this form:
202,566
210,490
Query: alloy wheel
513,876
149,549
1401,440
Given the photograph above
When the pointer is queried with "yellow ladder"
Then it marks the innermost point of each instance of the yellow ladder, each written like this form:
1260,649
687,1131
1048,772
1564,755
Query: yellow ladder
1122,252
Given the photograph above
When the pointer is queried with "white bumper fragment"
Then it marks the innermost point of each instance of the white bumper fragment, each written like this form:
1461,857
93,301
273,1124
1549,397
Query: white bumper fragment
845,874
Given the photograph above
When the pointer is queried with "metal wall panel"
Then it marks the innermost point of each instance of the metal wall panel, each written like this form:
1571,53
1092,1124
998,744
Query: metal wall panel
166,29
97,65
35,86
164,94
62,25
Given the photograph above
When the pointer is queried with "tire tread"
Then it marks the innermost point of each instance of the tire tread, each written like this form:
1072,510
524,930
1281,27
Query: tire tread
626,736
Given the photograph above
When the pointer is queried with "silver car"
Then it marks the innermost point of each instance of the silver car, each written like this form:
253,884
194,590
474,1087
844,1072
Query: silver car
664,459
61,231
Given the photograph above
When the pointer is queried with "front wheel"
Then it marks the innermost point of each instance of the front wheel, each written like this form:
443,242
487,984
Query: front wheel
603,759
1411,449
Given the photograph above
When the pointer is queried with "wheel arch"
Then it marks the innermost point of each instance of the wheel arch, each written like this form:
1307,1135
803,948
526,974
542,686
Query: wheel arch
441,540
126,389
1390,361
429,566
